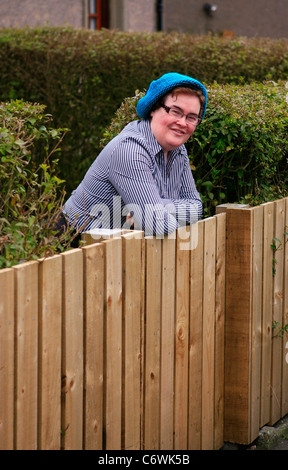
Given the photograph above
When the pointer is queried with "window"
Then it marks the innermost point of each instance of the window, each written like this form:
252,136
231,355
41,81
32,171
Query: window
98,14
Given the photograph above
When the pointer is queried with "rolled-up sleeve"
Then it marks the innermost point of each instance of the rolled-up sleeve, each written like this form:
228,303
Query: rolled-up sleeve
189,207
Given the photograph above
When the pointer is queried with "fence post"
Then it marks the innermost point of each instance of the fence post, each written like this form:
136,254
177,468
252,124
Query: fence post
238,323
256,300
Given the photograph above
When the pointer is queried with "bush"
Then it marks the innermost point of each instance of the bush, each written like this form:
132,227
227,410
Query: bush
31,193
83,76
239,152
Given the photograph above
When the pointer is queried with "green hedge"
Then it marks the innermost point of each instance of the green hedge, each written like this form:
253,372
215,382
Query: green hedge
238,154
30,190
83,76
240,151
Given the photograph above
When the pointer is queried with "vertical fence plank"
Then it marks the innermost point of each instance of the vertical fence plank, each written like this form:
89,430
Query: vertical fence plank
237,326
196,339
72,391
113,346
167,344
256,317
267,308
152,343
219,328
7,359
284,409
50,348
279,214
26,387
208,334
132,339
94,275
181,339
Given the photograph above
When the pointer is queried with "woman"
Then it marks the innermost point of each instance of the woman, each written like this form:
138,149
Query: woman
143,175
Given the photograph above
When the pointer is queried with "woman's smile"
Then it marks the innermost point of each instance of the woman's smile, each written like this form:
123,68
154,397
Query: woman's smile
178,131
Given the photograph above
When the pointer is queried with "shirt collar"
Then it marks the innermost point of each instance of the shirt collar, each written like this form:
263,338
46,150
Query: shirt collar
151,140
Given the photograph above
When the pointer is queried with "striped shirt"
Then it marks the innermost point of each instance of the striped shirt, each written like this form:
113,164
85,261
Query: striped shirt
130,175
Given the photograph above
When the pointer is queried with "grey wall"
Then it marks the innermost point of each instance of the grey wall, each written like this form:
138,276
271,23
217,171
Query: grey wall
34,13
262,18
241,17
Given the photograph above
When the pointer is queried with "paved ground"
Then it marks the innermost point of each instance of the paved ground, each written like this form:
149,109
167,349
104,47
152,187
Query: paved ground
282,445
270,438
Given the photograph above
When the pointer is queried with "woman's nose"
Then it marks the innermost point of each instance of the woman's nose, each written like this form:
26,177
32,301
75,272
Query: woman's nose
182,120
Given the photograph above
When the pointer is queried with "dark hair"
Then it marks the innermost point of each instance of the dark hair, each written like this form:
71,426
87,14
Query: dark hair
185,91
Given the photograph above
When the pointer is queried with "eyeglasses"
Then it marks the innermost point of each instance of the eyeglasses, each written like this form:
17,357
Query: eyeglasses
177,113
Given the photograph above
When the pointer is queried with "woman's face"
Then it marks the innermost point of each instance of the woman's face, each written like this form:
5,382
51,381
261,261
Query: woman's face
170,131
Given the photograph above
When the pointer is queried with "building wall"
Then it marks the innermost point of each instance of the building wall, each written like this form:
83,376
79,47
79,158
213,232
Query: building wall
242,17
34,13
262,18
133,15
139,15
127,15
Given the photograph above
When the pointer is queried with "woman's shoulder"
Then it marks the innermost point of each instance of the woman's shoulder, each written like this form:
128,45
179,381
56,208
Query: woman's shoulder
137,134
136,129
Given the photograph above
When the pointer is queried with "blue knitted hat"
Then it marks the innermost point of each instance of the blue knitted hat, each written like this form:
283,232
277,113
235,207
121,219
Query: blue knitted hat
163,85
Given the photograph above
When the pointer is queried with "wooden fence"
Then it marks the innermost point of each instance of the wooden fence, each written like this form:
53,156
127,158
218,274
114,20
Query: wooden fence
256,353
117,345
143,343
